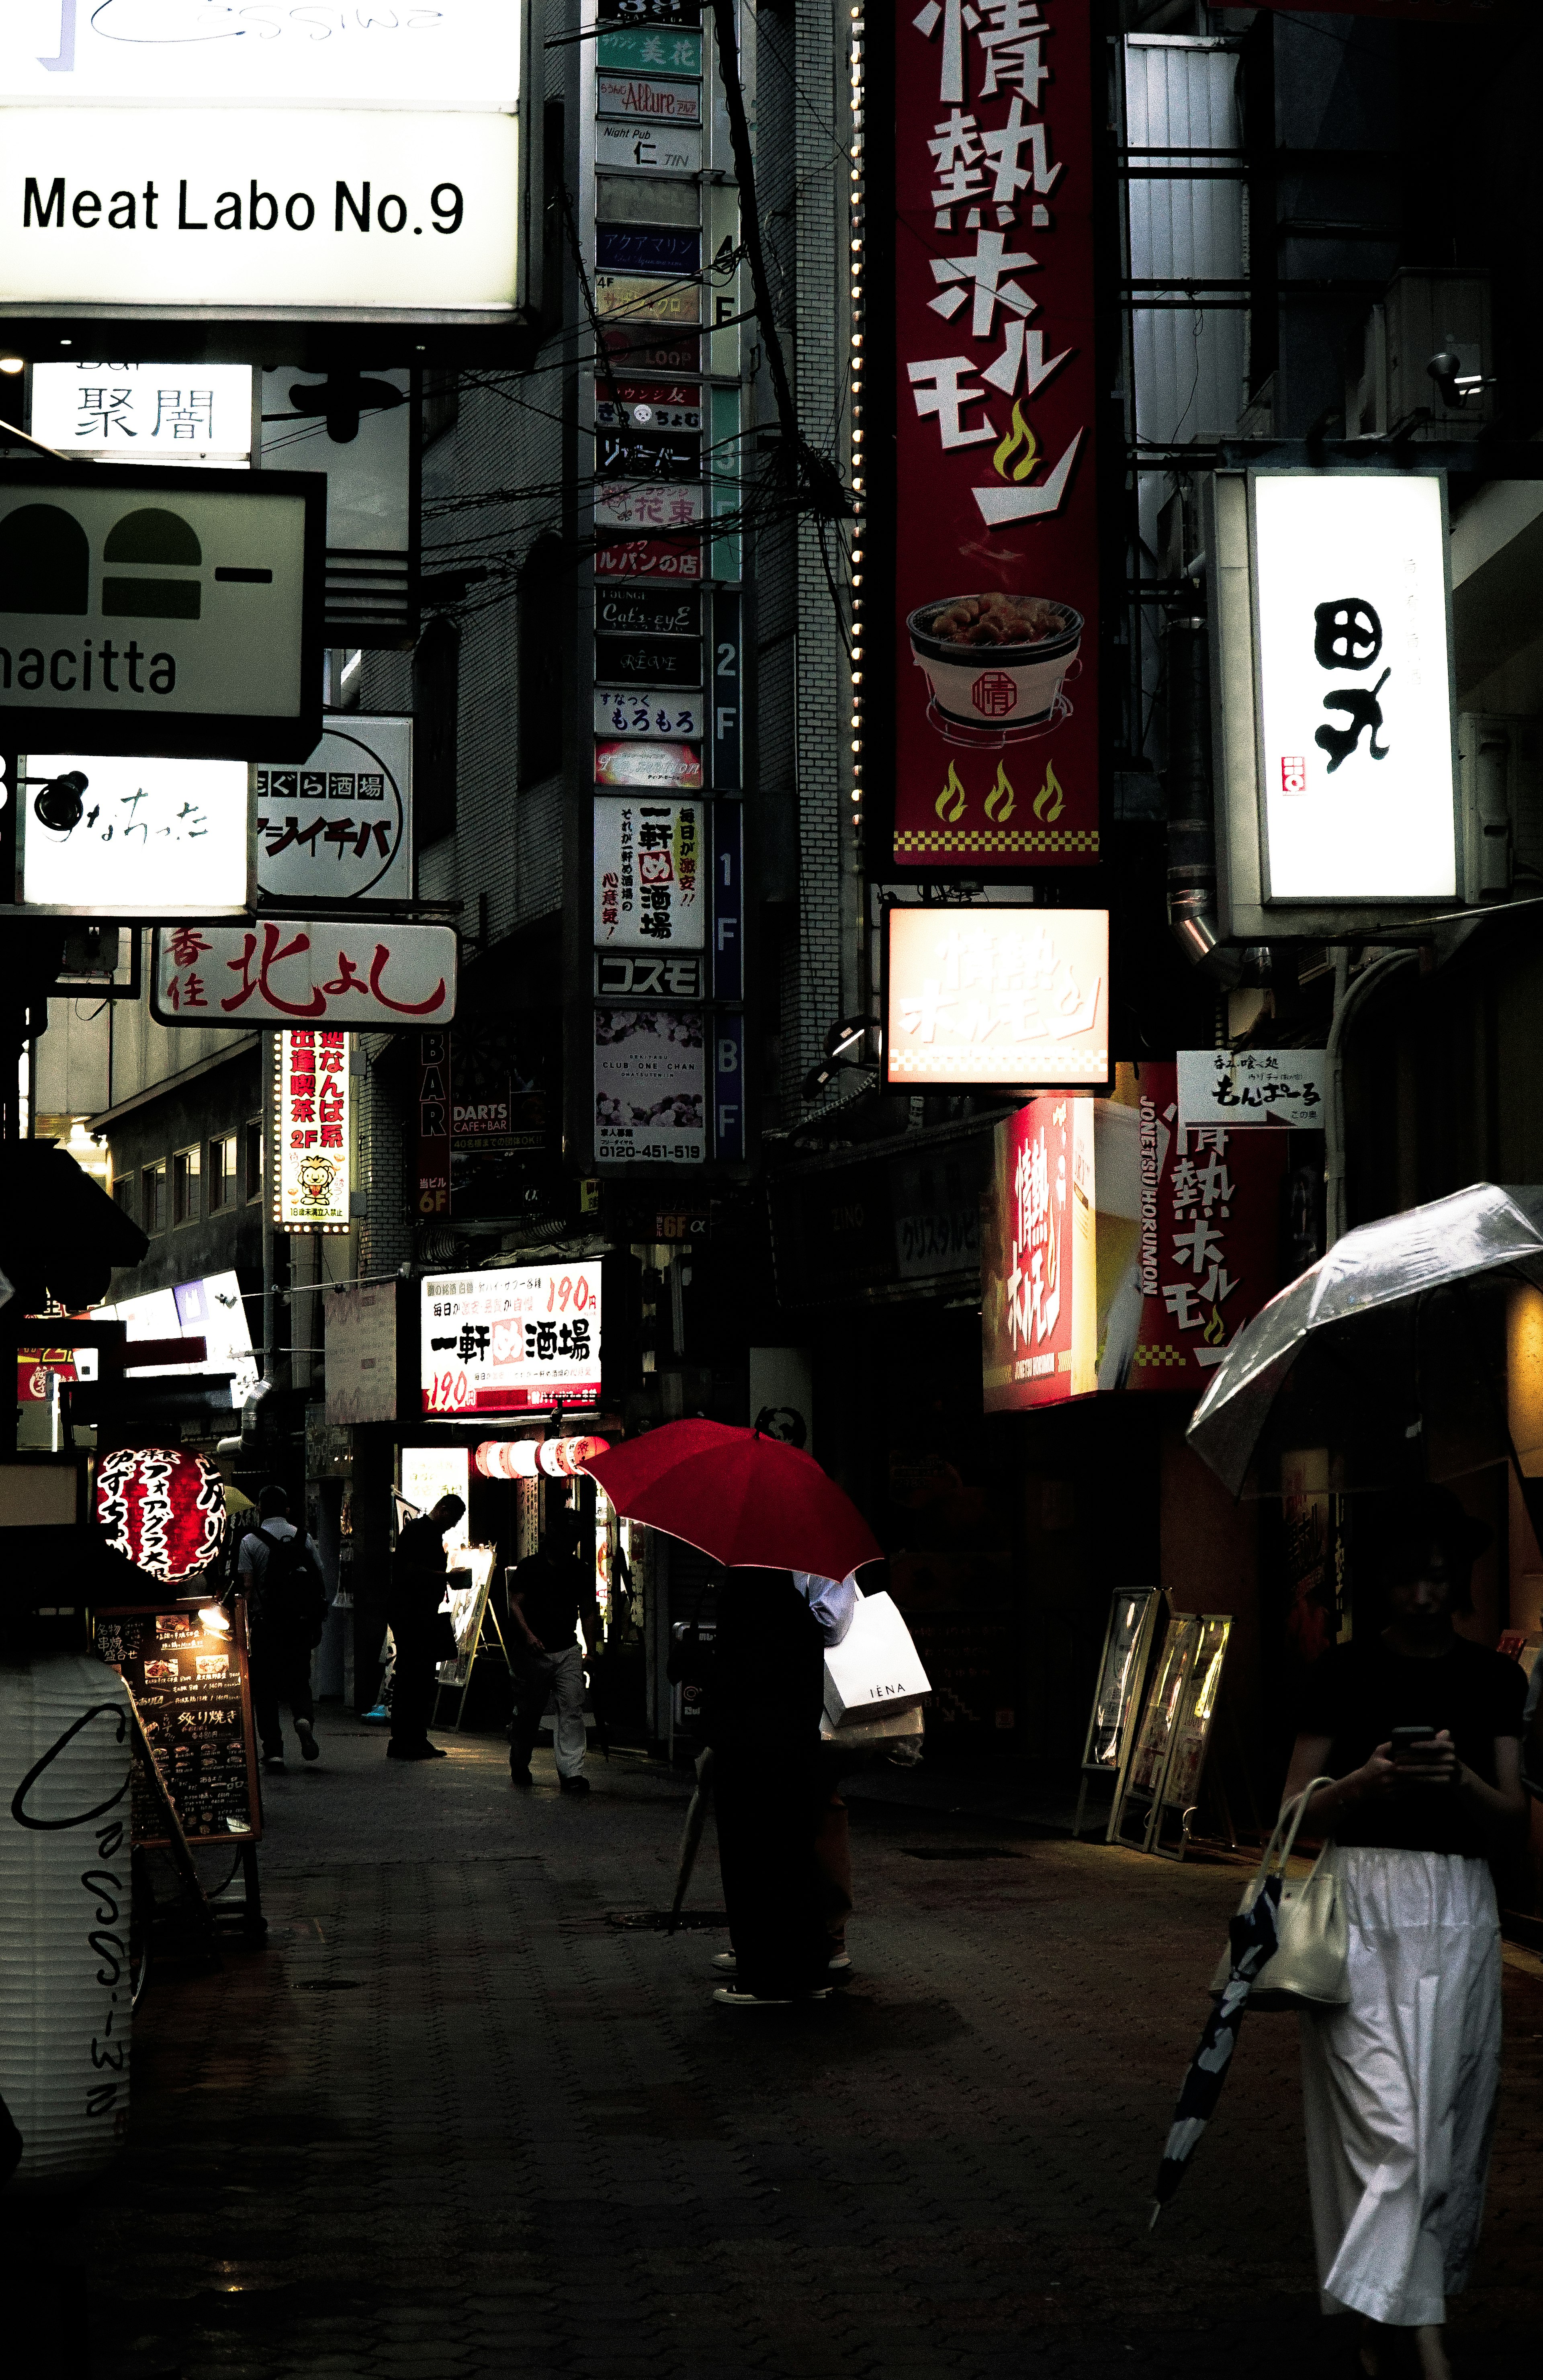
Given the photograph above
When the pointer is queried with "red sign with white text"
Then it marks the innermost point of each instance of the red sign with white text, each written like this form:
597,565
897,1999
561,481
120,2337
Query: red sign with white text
996,553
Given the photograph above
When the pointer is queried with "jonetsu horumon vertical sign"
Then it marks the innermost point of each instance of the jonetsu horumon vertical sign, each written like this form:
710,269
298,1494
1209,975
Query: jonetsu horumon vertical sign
996,555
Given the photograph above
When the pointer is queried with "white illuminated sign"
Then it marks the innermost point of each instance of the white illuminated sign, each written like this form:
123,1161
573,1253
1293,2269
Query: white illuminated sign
650,858
506,1340
145,413
212,1310
430,1473
310,1113
339,826
1354,686
155,839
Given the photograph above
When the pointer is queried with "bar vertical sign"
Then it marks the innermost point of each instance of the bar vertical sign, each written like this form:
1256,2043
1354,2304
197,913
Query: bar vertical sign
728,900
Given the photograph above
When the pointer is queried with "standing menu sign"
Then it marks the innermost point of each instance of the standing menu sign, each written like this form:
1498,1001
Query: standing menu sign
1106,1749
996,553
194,1701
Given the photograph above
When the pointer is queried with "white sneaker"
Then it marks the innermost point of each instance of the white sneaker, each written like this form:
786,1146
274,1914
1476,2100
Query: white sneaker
839,1965
726,1962
726,1996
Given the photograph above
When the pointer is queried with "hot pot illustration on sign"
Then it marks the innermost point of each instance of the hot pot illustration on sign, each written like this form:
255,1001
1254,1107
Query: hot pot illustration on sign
996,664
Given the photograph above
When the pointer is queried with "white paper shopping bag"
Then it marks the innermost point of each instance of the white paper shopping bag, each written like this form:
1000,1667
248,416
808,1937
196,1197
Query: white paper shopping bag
875,1667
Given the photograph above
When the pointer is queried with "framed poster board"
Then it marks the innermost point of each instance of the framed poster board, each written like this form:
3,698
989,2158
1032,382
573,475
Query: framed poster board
1148,1762
467,1591
191,1685
1189,1737
1127,1645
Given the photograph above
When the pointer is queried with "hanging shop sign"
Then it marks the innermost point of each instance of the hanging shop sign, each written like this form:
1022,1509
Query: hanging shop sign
652,612
162,1507
659,663
147,171
651,713
651,857
643,49
649,557
650,404
1037,1274
339,826
175,611
145,413
620,976
629,95
647,148
666,768
108,837
379,978
1331,656
996,555
647,507
512,1341
371,465
1239,1087
360,1324
212,1308
645,299
650,1086
310,1127
433,1124
996,994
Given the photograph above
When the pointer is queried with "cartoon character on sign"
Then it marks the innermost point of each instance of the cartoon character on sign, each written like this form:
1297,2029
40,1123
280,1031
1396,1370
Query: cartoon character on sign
317,1175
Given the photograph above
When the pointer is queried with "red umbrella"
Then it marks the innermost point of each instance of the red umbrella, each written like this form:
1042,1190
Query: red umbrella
747,1500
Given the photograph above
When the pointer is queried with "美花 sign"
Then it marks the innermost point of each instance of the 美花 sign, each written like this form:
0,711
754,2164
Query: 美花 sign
323,971
146,609
364,165
1238,1087
506,1340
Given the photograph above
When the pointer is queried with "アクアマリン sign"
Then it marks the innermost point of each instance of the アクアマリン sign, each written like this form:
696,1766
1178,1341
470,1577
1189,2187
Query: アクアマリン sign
996,534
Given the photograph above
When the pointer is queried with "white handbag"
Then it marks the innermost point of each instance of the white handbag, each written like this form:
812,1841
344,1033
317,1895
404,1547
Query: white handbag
1311,1962
875,1668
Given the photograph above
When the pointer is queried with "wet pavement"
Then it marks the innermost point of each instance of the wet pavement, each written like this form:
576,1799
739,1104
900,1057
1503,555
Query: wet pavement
462,2115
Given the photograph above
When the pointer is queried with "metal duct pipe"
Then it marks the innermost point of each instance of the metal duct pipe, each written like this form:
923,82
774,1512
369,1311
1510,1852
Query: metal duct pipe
1192,911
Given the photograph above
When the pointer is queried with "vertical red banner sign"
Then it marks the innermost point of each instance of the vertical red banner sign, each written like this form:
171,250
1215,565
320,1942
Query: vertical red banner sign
996,540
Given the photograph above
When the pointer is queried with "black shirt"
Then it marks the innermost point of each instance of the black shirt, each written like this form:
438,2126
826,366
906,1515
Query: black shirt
1357,1693
767,1688
549,1591
418,1576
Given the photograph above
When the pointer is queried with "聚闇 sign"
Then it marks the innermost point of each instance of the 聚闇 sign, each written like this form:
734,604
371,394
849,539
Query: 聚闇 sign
1355,706
507,1340
339,826
1239,1087
319,971
997,994
145,413
651,858
310,1111
155,839
146,609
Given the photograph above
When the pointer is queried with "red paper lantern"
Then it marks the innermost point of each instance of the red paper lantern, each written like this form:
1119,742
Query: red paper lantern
162,1507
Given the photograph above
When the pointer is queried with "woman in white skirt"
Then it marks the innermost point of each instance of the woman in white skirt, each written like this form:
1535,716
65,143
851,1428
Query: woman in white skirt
1400,2085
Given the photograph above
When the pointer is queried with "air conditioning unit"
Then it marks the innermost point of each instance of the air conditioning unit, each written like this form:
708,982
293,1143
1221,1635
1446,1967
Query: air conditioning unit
1425,312
1500,845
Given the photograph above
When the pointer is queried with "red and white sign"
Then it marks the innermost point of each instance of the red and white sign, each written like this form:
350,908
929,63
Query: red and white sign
322,971
508,1340
162,1507
650,557
997,994
996,559
1037,1274
310,1179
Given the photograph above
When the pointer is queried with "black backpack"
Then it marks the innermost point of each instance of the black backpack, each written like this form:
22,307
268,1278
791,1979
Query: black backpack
293,1591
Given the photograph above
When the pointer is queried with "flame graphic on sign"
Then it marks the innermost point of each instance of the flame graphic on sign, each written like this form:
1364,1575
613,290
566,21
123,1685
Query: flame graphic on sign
1020,435
1048,801
1215,1329
1001,792
953,792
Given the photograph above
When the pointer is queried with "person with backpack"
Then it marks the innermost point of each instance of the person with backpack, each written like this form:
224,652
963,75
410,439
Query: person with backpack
280,1573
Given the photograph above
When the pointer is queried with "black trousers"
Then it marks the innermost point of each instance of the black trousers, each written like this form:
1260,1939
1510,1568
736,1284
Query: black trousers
768,1801
278,1662
412,1691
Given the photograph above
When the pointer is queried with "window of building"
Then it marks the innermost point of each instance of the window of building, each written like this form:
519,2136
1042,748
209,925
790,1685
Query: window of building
152,1197
224,1157
254,1156
436,681
185,1170
123,1192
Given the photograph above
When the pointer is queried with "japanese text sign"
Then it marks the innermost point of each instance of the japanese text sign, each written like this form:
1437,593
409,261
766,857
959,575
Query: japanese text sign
339,827
996,588
1355,703
1037,1260
311,1107
506,1340
155,839
997,994
650,1086
385,978
1239,1087
650,859
145,413
162,611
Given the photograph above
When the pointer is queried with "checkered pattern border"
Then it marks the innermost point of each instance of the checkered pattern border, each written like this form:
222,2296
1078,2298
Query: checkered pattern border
1179,1356
932,843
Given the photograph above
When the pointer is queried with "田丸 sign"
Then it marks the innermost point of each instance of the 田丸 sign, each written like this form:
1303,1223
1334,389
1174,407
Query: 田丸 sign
161,611
996,994
310,1111
279,972
507,1340
339,826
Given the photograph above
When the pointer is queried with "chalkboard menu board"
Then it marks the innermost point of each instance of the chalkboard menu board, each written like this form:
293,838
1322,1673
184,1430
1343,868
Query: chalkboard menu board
190,1687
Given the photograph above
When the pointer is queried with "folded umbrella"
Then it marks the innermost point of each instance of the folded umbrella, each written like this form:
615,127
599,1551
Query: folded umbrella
749,1501
1252,1936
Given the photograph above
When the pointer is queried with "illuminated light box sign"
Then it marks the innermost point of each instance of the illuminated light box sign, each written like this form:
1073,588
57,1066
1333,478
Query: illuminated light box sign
339,826
996,995
155,838
167,610
310,1109
1038,1278
650,858
1355,699
666,767
647,148
650,713
212,1310
371,976
510,1341
650,1086
649,557
145,413
1244,1088
645,506
162,1508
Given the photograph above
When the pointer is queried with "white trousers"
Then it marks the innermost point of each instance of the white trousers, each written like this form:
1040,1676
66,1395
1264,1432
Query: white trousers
566,1671
1400,2086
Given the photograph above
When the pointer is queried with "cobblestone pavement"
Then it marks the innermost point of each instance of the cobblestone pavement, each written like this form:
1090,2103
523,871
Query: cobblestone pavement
453,2120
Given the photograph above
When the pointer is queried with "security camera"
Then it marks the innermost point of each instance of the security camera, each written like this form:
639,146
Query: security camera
1456,385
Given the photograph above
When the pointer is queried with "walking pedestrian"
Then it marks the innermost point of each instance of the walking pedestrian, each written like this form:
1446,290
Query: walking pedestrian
418,1577
280,1573
1421,1729
550,1598
771,1793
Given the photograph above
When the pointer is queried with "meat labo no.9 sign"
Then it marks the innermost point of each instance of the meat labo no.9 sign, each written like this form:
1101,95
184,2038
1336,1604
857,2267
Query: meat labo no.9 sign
996,553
